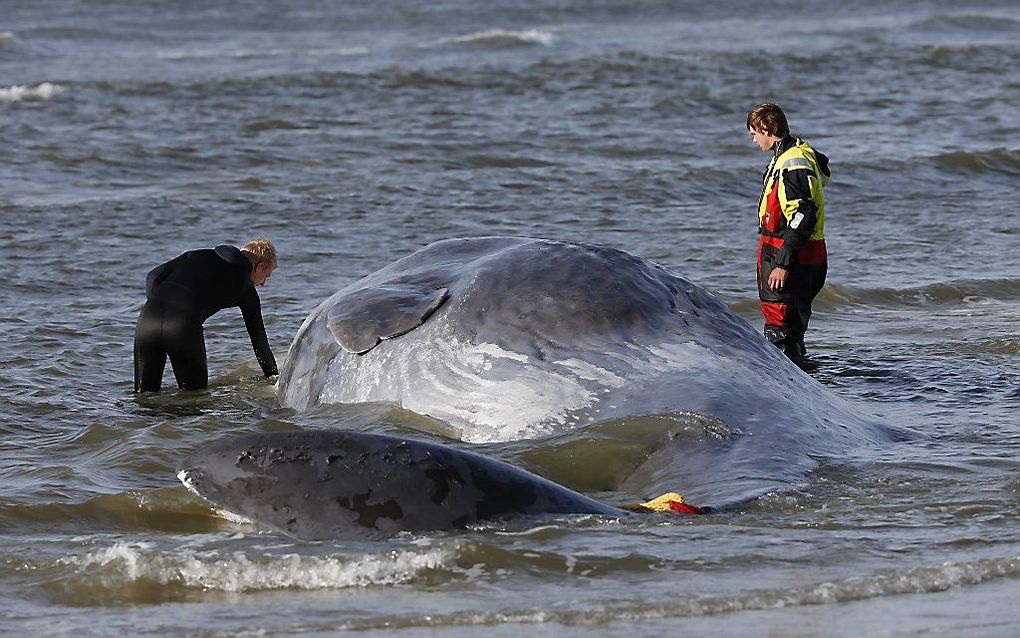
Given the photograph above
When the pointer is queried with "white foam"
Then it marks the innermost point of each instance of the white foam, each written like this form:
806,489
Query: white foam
42,91
183,477
234,518
502,36
124,563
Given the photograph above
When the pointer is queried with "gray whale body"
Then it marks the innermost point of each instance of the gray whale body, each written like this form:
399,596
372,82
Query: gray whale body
508,338
320,485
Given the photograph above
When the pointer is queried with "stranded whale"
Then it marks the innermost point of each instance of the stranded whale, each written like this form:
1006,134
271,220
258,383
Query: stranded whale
508,338
320,485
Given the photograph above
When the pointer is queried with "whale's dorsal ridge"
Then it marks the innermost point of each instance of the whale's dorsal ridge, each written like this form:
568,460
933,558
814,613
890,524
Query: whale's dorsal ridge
364,317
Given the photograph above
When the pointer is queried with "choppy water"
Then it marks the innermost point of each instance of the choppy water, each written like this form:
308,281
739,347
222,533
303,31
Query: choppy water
354,133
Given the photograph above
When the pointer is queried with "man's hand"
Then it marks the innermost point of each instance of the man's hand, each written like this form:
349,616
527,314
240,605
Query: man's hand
777,279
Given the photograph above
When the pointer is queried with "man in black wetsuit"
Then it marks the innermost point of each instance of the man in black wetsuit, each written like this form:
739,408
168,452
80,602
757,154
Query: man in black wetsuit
185,291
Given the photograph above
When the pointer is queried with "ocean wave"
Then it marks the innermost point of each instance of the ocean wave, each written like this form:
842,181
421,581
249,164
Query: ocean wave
125,564
170,509
7,39
919,580
998,160
502,38
17,93
271,124
967,22
975,60
504,161
933,170
213,53
968,291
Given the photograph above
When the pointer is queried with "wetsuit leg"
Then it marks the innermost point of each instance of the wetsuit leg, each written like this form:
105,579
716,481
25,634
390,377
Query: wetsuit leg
150,357
184,340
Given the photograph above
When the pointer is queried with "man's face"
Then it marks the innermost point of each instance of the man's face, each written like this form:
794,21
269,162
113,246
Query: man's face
262,271
764,141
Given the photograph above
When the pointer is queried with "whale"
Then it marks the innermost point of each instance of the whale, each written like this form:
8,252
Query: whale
318,485
509,338
570,348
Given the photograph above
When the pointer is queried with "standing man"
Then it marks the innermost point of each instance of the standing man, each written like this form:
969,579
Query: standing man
791,213
185,291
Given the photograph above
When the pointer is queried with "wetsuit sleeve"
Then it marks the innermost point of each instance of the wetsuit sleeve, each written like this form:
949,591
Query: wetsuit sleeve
161,272
251,310
803,218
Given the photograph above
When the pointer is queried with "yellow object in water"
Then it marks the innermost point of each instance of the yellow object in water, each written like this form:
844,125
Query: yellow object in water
662,503
657,504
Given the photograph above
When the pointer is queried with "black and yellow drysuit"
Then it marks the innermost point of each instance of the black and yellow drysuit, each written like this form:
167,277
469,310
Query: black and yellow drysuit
791,215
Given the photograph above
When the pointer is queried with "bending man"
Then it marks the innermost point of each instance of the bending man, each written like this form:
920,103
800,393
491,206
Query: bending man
185,291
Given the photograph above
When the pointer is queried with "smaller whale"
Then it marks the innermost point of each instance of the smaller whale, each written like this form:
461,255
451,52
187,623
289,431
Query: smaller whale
329,484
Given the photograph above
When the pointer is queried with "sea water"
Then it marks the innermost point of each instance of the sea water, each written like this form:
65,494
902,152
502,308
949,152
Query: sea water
354,133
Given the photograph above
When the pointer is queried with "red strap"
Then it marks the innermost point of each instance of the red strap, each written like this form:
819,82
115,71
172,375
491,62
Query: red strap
684,508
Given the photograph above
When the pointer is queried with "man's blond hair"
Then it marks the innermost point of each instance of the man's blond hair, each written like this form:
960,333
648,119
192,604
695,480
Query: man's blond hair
259,251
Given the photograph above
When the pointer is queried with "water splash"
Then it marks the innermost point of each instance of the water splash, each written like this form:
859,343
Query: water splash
17,93
502,38
125,563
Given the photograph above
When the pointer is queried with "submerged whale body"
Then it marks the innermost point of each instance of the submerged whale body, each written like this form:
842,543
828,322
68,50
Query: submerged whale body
321,485
508,338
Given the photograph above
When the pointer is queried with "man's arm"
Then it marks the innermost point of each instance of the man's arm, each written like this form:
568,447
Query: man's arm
251,310
804,214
